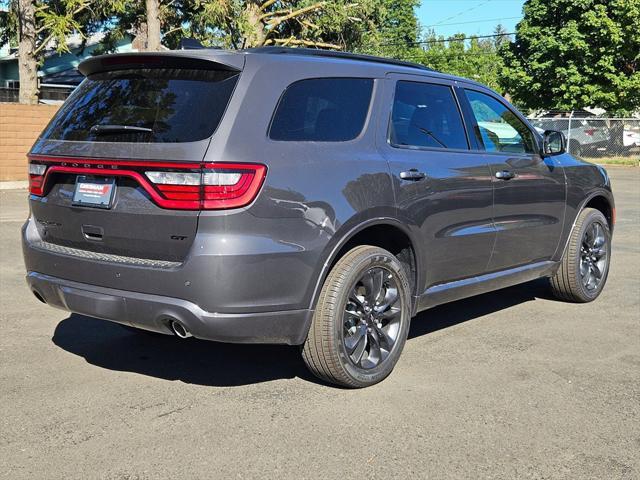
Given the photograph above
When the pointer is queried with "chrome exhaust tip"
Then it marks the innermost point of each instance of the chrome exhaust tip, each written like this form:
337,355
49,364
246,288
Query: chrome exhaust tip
179,329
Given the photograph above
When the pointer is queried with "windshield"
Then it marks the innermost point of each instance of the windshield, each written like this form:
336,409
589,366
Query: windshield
145,106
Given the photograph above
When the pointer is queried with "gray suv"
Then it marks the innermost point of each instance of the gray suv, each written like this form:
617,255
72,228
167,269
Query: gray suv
301,197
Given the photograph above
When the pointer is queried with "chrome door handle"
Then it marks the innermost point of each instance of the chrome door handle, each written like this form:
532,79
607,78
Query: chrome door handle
505,175
412,174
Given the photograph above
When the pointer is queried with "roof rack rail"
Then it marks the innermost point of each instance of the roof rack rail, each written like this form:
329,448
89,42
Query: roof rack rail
336,54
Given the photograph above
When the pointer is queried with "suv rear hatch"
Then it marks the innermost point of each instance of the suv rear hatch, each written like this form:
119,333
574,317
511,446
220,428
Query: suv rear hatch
119,170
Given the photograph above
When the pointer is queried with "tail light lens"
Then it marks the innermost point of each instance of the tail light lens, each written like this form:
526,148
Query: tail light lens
36,178
231,186
215,186
590,132
180,186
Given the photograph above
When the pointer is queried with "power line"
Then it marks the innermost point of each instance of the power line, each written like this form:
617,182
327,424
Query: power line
444,40
473,21
466,10
455,54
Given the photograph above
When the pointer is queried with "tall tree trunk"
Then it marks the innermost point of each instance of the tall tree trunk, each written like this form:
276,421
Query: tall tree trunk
27,63
255,35
153,25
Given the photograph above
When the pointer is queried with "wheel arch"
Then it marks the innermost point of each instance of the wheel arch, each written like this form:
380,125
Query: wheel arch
600,200
386,233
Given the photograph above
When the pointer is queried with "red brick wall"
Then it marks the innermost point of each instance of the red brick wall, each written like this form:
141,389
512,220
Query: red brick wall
20,125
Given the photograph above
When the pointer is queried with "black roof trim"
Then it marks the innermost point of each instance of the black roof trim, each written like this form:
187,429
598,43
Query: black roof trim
335,54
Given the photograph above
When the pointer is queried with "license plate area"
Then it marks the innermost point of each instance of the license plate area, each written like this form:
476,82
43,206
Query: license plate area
96,192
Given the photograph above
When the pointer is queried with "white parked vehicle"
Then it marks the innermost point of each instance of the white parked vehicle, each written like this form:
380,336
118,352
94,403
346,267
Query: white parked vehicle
631,138
585,135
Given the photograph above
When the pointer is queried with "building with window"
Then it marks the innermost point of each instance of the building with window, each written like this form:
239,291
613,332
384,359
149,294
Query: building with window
58,75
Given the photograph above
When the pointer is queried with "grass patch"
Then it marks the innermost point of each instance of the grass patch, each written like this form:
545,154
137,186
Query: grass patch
633,161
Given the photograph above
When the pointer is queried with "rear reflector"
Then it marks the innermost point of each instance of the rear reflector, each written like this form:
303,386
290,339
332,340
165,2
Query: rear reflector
171,185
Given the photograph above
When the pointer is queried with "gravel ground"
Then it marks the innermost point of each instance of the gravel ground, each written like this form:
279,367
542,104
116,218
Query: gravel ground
505,385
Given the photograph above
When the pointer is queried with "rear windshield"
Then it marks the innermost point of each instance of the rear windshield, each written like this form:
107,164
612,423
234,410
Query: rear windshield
322,110
145,106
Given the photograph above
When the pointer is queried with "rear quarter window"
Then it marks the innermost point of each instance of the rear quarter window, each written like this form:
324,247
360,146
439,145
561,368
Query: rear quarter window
322,110
162,106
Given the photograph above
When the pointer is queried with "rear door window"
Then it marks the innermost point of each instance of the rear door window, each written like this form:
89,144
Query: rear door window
426,115
145,105
322,110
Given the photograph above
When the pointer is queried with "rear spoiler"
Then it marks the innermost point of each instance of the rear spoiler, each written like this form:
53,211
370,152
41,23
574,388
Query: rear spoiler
197,60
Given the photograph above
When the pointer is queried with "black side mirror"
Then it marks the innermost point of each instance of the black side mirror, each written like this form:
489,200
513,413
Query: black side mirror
554,143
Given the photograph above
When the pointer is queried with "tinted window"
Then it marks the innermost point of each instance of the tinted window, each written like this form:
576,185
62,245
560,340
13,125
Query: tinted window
426,115
322,110
499,129
165,105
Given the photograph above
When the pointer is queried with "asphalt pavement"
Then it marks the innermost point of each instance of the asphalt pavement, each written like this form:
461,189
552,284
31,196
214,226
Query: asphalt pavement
506,385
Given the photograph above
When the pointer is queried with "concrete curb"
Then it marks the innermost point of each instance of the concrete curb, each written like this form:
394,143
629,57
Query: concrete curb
19,185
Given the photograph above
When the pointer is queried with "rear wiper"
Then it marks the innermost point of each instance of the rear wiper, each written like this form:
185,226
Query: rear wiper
98,129
430,133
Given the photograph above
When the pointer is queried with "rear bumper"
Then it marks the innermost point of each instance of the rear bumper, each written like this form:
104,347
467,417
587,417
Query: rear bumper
154,312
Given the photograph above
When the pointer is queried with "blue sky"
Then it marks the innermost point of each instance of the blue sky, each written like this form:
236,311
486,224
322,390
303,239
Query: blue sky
472,17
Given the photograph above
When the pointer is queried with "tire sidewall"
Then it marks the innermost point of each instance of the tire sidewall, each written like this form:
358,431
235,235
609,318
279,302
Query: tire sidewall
576,148
378,373
592,217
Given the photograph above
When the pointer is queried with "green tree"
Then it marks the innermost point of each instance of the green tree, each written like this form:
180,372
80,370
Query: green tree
571,54
370,26
474,58
254,23
39,25
398,31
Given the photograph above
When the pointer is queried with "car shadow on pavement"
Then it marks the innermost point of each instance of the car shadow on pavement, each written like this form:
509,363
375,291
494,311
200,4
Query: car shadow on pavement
109,345
450,314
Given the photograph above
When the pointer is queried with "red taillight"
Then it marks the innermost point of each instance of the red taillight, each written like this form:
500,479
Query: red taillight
590,132
36,177
230,185
173,185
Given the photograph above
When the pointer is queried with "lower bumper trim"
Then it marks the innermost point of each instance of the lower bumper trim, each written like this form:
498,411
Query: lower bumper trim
155,312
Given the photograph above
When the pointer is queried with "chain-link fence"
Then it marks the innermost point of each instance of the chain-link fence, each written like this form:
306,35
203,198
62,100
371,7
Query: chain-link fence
595,137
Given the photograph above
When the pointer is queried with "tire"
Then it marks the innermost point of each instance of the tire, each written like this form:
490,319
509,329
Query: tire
350,332
575,148
584,266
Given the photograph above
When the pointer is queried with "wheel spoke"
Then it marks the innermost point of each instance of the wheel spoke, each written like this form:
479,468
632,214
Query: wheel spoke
593,234
584,267
599,252
373,282
375,349
356,299
385,339
358,351
390,298
588,238
389,314
596,271
599,239
351,309
352,341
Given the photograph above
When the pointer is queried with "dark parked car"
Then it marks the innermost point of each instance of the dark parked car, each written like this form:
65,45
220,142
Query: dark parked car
301,197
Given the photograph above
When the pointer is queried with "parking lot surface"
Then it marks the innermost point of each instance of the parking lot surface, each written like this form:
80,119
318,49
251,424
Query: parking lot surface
510,384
